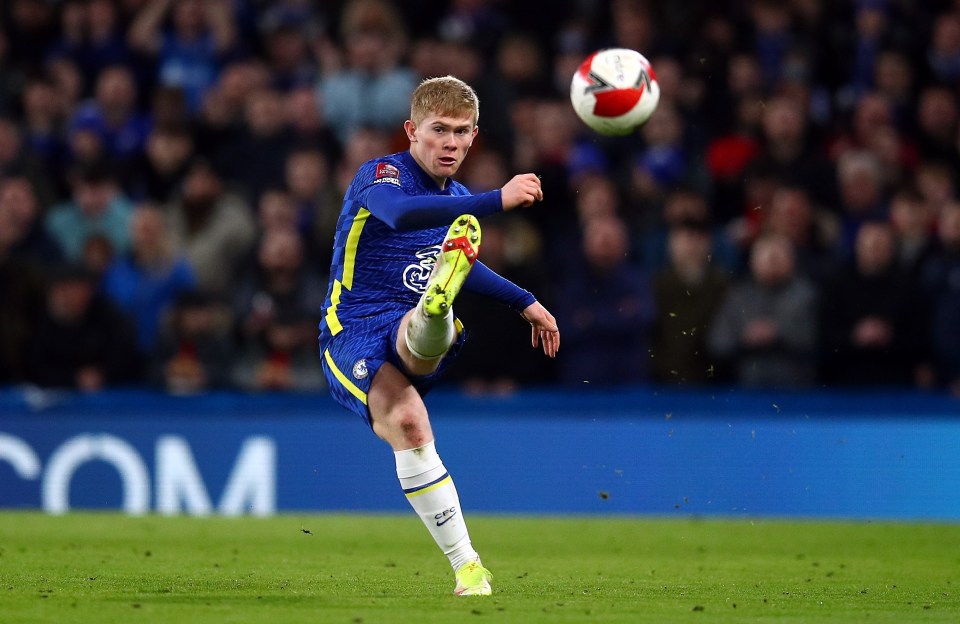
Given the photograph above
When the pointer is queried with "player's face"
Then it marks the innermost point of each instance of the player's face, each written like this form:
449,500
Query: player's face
440,143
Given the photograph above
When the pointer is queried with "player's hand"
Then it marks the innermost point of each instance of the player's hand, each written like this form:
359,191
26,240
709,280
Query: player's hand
521,191
543,328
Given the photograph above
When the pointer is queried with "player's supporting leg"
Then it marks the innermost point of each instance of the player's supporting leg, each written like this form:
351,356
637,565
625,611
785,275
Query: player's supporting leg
433,495
400,418
428,334
430,330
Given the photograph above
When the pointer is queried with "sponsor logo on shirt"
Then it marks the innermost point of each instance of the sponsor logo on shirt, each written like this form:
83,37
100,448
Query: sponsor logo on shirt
387,173
415,275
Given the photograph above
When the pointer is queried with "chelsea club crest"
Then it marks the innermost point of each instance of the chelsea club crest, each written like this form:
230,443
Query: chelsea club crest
360,369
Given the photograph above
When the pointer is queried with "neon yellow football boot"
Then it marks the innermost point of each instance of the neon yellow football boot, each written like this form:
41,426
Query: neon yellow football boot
473,580
457,255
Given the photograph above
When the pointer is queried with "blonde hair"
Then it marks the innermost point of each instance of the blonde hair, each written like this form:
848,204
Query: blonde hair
445,95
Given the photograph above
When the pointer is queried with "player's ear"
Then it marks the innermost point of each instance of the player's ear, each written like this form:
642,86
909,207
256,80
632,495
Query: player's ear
411,130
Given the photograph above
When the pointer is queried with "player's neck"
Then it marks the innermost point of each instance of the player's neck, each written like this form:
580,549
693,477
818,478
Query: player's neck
441,182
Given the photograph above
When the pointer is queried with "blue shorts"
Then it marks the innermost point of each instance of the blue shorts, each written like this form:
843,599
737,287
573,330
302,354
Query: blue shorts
352,358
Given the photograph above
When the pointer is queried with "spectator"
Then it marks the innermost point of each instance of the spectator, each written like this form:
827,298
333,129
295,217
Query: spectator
772,38
14,159
98,254
276,211
315,201
633,25
728,155
788,152
596,197
862,196
11,77
664,163
21,282
861,48
606,309
684,206
893,76
68,83
43,139
941,282
913,223
97,207
256,159
21,230
279,281
372,89
938,121
194,352
113,115
870,317
548,141
145,282
158,174
943,51
85,145
30,31
873,124
688,292
287,52
282,358
755,191
937,184
168,108
221,111
81,340
92,35
308,127
813,232
766,329
189,53
212,227
364,144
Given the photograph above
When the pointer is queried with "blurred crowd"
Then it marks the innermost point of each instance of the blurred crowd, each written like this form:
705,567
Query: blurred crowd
171,173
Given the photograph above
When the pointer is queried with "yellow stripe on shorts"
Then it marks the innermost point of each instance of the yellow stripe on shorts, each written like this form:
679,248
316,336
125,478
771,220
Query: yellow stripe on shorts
343,379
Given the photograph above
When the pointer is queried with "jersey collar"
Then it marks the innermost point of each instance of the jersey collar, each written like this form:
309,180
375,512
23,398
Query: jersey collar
422,175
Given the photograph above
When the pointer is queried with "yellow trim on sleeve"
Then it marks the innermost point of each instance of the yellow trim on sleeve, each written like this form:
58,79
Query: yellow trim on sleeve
353,241
332,321
349,264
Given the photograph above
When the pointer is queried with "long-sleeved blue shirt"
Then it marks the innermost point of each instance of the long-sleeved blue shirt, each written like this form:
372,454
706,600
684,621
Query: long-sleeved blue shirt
393,221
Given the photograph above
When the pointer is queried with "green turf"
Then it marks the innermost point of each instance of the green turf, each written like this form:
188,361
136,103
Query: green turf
367,569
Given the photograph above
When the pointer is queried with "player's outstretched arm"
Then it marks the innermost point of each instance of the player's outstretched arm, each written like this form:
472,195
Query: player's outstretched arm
543,328
521,191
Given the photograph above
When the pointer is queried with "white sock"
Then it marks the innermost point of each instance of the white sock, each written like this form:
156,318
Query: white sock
432,494
429,337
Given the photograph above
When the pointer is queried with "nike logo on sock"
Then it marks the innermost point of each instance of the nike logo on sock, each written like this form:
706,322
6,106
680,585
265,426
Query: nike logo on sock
446,516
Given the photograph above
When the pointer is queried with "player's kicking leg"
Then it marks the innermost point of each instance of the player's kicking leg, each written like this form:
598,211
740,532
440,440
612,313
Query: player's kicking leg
457,255
430,329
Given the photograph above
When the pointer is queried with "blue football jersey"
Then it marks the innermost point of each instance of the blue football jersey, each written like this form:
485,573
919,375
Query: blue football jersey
377,269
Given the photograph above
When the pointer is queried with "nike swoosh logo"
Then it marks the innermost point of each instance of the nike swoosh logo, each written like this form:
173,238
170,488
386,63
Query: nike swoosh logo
447,519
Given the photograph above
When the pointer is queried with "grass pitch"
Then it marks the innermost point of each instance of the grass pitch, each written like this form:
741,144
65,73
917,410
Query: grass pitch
362,569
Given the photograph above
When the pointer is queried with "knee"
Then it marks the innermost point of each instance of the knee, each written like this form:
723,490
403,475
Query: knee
408,427
412,426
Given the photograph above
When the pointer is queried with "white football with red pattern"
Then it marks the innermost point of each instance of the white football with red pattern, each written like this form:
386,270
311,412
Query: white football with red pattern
615,91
